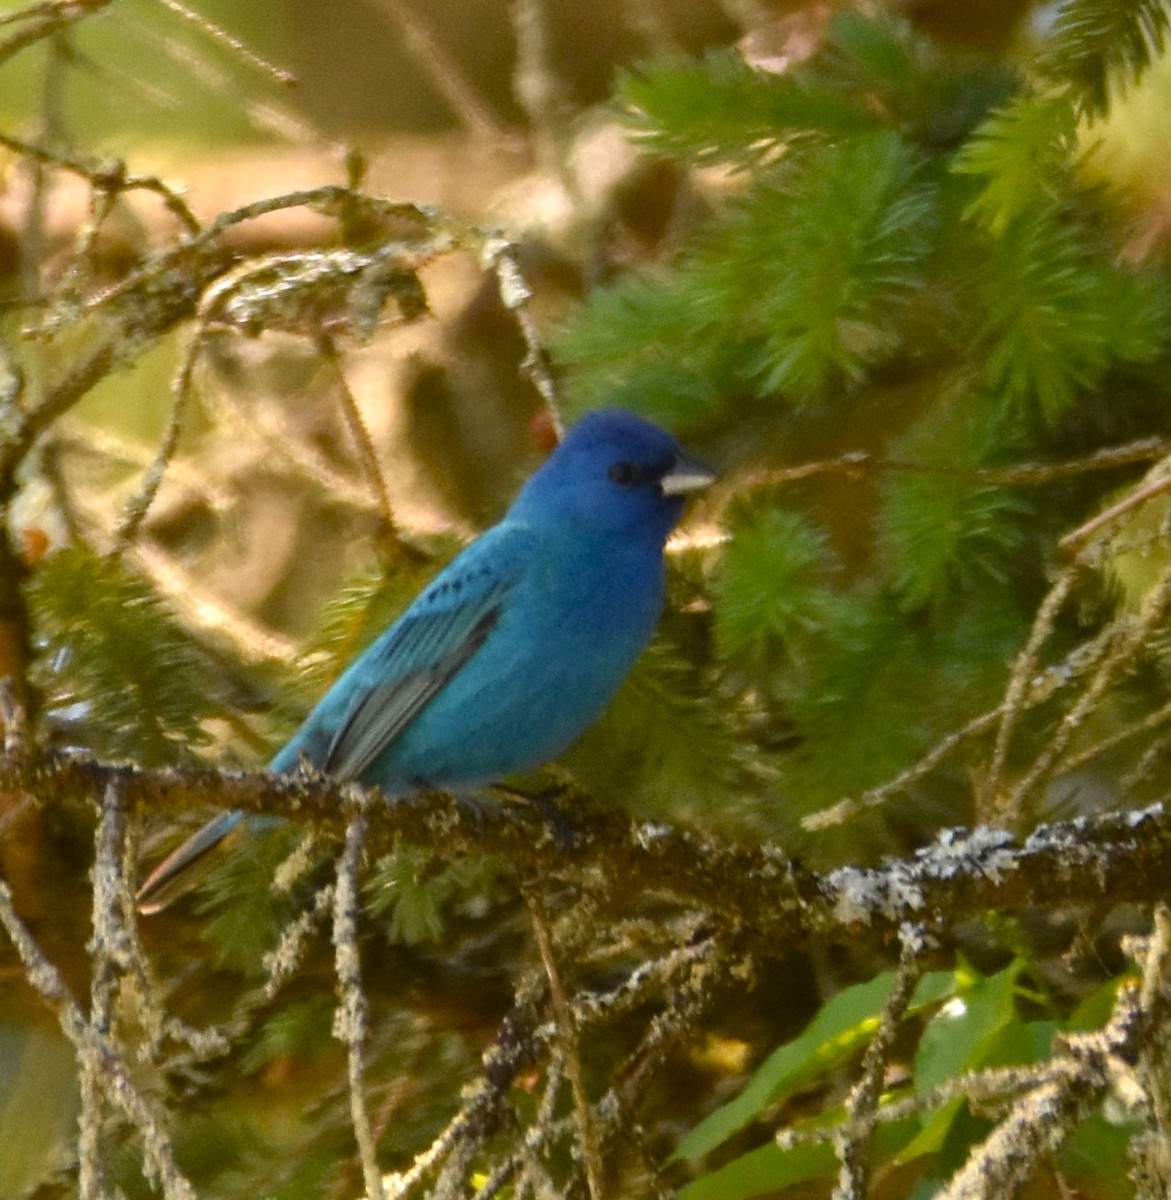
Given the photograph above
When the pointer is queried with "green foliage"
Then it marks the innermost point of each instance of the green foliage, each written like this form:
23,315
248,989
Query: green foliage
771,591
838,246
838,1033
942,531
112,646
418,893
721,110
1060,313
963,1021
1095,42
941,291
300,1029
871,74
800,289
1022,153
243,918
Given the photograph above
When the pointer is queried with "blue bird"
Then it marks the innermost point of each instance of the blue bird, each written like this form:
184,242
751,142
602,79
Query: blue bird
515,647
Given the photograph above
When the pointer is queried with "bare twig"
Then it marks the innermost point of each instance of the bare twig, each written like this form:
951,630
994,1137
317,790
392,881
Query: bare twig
1092,1065
139,505
860,463
91,1043
350,1023
500,255
1121,655
1123,855
1073,543
218,34
447,75
106,178
862,1102
1041,687
45,20
567,1038
1023,670
363,443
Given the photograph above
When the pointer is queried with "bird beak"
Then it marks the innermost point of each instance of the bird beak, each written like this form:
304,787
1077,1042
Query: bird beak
686,475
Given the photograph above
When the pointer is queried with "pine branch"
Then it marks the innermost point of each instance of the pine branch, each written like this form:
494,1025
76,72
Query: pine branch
1096,41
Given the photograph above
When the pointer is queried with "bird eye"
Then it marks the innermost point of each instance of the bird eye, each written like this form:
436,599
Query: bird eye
623,472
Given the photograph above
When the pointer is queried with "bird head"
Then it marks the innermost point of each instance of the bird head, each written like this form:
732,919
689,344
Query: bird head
614,472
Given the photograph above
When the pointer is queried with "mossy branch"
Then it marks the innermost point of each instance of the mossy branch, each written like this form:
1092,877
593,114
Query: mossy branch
1121,856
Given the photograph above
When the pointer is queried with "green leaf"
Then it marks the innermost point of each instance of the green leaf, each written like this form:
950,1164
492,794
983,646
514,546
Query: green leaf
961,1035
842,1027
766,1169
769,1168
1093,1011
933,1134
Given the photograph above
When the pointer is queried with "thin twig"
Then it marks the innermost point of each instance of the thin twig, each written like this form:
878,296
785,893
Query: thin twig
44,21
862,1102
1045,685
1073,543
1089,1067
447,75
859,463
1149,723
515,294
1119,657
217,33
139,505
1024,668
363,443
351,1019
89,1042
106,178
567,1036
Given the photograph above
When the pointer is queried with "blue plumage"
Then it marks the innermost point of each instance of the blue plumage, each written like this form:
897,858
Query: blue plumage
516,646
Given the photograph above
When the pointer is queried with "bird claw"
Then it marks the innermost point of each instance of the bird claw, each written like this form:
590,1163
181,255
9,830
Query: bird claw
544,801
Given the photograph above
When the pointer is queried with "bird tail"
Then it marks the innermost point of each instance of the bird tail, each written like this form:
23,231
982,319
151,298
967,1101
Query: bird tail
177,872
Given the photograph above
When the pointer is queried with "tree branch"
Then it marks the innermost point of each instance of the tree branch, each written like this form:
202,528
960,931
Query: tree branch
1123,856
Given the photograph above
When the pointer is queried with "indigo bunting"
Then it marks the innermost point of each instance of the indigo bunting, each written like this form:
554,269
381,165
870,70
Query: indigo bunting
515,647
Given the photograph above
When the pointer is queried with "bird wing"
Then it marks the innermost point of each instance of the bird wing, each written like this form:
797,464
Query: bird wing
425,651
412,661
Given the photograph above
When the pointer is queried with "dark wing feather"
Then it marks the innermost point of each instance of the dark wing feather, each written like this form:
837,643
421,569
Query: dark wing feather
383,711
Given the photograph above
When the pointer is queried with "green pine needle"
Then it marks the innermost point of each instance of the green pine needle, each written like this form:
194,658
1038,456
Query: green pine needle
1059,314
818,270
1095,42
771,592
942,531
112,646
1022,155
